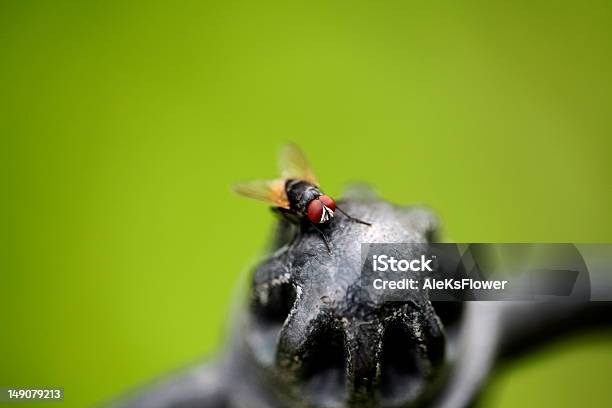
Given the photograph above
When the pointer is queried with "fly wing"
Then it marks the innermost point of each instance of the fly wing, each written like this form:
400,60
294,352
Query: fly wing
294,165
269,191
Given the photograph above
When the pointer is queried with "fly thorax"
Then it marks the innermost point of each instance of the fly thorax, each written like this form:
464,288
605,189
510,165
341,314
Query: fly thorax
300,193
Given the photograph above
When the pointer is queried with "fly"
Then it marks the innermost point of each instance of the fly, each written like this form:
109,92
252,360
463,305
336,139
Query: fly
296,193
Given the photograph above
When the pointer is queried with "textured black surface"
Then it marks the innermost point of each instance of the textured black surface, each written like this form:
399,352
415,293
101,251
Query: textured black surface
307,338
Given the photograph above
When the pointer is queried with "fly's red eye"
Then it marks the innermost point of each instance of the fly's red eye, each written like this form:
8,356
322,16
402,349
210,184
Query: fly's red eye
328,201
315,211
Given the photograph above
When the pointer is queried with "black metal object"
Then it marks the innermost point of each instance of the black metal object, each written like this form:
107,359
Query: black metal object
307,338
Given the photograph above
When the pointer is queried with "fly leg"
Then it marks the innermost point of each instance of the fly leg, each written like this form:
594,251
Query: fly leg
352,218
323,236
294,218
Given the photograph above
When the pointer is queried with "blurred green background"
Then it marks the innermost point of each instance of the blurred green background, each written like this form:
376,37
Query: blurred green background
123,124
